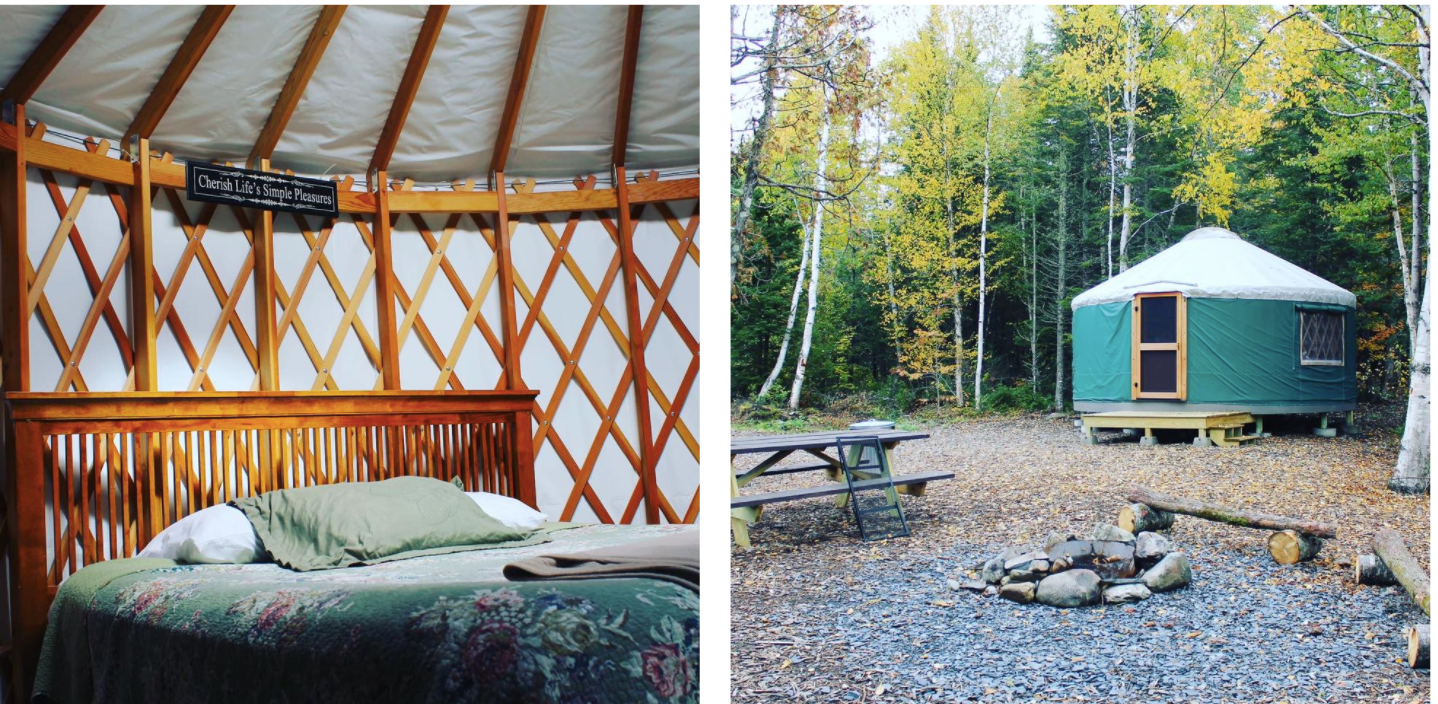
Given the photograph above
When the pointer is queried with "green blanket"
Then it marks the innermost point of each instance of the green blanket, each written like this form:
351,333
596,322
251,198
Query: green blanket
438,629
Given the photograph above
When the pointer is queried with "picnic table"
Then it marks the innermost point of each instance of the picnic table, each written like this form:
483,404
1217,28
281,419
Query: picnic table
746,509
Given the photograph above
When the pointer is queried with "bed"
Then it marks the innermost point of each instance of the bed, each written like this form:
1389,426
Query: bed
102,474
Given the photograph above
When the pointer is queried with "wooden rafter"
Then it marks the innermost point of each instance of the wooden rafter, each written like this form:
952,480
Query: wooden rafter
408,86
47,55
626,83
181,66
305,64
518,82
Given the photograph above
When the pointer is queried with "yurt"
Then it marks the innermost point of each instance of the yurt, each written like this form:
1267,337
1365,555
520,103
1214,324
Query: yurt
329,332
1214,323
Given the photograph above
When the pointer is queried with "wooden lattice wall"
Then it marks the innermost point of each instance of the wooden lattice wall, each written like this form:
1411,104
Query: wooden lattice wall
576,287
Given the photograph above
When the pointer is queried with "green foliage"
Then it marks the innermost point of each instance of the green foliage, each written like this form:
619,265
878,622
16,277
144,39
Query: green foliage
1019,398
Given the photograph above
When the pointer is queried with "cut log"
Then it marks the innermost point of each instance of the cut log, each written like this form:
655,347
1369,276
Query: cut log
1137,518
1371,571
1231,516
1289,547
1418,646
1405,568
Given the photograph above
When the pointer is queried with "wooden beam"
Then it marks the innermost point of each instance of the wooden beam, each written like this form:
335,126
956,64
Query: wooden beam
142,279
47,55
408,87
266,333
14,257
626,83
509,329
181,66
518,81
636,347
300,75
384,289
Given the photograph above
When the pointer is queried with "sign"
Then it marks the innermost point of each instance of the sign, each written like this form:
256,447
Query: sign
210,183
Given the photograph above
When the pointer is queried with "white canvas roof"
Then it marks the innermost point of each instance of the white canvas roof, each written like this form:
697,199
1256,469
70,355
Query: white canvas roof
565,127
1212,262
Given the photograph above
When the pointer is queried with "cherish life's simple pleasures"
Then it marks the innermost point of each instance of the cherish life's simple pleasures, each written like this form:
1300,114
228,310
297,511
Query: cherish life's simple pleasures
245,187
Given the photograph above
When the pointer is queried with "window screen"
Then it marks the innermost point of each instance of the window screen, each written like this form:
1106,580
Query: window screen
1159,370
1321,338
1159,319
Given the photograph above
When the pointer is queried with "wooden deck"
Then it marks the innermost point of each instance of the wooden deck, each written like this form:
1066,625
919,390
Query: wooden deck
1223,428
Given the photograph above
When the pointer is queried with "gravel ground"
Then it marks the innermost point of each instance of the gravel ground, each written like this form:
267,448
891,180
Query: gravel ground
819,616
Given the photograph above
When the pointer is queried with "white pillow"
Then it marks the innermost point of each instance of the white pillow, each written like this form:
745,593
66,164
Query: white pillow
511,512
216,535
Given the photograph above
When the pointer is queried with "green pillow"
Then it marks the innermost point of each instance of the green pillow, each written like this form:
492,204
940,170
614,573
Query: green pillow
339,525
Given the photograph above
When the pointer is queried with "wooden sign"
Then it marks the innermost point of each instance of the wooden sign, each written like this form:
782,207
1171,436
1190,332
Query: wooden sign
211,183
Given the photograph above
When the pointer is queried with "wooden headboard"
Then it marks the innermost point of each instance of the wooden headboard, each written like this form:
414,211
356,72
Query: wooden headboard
96,476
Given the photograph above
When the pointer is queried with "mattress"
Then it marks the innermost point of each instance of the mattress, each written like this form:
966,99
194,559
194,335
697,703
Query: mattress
446,628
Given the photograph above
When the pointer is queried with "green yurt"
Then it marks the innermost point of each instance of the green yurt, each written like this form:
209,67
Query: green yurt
1214,323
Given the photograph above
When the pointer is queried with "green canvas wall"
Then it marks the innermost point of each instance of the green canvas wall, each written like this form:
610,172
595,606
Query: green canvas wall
1242,352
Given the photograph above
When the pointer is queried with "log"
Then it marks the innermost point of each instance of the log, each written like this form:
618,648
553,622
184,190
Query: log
1418,646
1405,568
1289,547
1231,516
1137,518
1369,570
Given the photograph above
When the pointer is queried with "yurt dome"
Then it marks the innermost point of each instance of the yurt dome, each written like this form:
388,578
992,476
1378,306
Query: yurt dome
1214,323
1212,262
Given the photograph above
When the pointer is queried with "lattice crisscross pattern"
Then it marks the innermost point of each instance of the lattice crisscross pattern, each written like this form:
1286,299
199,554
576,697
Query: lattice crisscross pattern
1321,337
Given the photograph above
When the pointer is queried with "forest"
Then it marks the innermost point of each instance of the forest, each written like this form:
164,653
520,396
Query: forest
910,221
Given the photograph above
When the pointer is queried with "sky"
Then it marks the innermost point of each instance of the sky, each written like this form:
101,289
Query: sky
892,24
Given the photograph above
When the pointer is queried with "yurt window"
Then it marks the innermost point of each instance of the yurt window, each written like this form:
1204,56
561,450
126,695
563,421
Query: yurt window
1321,338
1159,346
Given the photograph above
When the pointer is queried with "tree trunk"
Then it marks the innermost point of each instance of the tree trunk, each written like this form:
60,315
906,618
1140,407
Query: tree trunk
983,265
1369,570
1112,184
1130,107
815,253
1137,518
793,309
756,149
1034,307
1231,516
1405,568
1410,476
1410,294
1060,286
1290,547
1418,646
1415,260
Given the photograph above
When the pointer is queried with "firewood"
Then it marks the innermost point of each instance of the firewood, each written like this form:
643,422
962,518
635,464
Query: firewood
1405,568
1369,570
1231,516
1289,547
1418,646
1137,518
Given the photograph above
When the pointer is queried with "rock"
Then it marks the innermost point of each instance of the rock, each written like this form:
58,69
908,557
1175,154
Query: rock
1033,572
1172,572
1056,538
1150,548
1021,592
954,585
1023,561
1109,559
991,590
972,585
1109,532
1126,593
1069,589
994,569
1063,563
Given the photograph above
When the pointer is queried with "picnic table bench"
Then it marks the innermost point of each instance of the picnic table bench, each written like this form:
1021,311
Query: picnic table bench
746,509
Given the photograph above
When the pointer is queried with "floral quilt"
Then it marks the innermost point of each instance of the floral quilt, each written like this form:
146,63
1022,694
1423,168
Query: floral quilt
435,629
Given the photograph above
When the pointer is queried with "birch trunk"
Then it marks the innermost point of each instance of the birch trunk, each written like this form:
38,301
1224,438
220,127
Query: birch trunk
756,150
793,313
815,252
954,272
1410,294
1130,107
1415,260
1410,476
983,265
1112,183
1034,307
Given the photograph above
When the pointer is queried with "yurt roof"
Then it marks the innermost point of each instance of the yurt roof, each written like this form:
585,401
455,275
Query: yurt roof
1212,262
209,83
